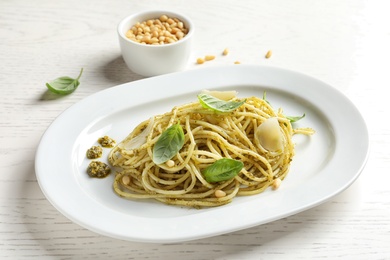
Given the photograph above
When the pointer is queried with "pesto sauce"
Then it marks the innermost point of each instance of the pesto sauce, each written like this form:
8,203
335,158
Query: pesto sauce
106,141
94,152
98,169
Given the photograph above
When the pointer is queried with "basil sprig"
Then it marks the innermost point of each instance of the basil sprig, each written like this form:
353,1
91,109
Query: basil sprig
218,105
168,144
64,85
294,119
222,170
265,98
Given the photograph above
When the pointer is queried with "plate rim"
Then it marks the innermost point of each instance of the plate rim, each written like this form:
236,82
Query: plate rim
218,70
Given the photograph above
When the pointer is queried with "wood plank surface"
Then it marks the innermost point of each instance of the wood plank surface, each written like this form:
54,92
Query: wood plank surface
344,43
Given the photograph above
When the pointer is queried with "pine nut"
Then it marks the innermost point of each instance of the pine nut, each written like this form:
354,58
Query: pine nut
163,18
170,163
179,35
268,55
200,61
219,193
126,180
209,57
170,21
276,183
225,52
129,34
149,22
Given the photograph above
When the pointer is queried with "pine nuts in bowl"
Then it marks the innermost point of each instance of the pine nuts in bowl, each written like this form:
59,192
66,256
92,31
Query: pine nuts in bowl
156,42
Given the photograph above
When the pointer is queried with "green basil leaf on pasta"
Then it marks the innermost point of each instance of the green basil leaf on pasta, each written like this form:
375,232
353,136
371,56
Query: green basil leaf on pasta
218,105
222,170
64,85
168,144
294,119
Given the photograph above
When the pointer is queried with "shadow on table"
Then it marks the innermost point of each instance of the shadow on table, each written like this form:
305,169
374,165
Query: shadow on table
110,73
117,71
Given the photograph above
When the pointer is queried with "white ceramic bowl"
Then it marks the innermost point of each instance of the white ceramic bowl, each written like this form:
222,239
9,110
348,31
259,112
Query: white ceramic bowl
151,60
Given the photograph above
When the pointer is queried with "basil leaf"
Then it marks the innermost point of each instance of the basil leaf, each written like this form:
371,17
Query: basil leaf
294,119
215,104
222,170
168,144
64,85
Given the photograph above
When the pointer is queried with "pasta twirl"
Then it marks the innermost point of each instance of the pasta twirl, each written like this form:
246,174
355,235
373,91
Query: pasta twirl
209,136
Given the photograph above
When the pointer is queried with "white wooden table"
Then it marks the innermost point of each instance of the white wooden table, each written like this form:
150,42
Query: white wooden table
344,43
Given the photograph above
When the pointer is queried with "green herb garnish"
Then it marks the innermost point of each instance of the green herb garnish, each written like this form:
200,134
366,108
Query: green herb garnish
265,98
294,119
168,144
222,170
64,85
218,105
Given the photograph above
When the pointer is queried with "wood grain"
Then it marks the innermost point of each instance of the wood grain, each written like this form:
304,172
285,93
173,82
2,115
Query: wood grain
344,43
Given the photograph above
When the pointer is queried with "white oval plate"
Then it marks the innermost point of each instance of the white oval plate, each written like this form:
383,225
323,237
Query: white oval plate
322,167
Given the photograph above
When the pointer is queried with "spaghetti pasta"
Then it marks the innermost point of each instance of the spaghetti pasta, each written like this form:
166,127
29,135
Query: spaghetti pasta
208,137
